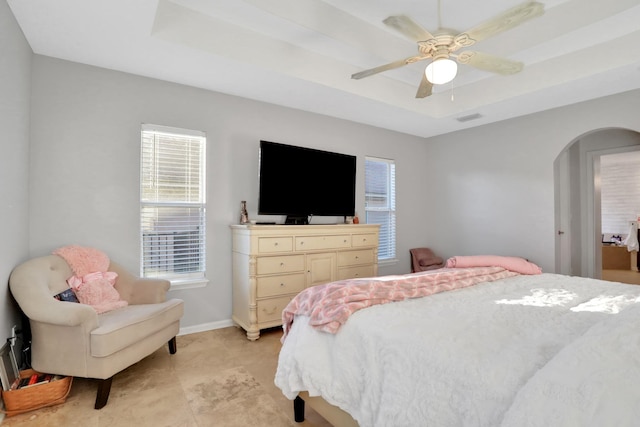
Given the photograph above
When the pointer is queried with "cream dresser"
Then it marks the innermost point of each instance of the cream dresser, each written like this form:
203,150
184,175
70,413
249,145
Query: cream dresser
272,263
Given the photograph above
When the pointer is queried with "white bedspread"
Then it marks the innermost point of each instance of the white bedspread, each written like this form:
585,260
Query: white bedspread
539,349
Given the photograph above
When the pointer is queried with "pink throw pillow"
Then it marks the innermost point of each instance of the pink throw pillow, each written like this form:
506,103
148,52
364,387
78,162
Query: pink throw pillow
100,294
515,264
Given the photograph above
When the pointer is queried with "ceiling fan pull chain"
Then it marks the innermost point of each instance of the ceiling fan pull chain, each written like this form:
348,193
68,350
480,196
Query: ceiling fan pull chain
452,98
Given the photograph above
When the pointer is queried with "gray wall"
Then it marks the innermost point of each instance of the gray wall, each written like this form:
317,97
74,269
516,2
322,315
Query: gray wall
496,182
15,74
483,190
85,166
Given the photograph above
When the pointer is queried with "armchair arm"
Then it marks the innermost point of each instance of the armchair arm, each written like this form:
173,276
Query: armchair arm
149,291
63,313
137,290
30,285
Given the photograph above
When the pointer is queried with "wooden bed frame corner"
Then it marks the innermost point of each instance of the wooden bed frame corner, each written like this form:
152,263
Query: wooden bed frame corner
336,416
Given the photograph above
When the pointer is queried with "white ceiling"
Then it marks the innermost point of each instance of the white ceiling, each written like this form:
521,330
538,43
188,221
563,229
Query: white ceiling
301,53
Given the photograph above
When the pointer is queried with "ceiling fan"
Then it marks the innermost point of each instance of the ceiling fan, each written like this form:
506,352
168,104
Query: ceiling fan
444,43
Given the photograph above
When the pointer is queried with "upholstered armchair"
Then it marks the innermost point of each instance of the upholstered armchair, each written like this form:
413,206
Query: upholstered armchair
423,259
69,338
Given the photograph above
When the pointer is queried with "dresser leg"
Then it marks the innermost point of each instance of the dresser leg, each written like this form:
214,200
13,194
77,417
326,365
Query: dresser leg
253,335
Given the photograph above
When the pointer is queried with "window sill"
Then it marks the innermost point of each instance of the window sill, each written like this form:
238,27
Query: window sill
180,285
390,261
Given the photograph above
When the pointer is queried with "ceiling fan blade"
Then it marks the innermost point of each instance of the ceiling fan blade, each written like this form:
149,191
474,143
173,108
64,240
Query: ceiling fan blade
386,67
425,87
491,63
408,27
505,21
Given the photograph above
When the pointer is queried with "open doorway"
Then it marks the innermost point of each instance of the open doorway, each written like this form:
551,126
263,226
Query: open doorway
619,210
578,199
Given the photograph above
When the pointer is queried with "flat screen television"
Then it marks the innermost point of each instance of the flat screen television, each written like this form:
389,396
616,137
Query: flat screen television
302,182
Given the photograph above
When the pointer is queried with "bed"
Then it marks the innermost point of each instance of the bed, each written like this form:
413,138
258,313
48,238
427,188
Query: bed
524,350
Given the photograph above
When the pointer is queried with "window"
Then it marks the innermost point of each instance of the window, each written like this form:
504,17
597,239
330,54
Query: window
172,204
380,203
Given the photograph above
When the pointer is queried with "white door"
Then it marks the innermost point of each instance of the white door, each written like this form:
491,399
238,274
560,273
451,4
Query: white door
563,214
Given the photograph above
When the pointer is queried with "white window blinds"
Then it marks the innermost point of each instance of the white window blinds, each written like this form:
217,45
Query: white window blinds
380,202
172,203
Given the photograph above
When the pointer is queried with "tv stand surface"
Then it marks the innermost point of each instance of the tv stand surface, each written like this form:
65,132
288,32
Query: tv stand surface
296,220
284,223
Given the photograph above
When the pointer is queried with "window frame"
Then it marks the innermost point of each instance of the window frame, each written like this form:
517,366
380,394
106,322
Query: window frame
389,254
182,280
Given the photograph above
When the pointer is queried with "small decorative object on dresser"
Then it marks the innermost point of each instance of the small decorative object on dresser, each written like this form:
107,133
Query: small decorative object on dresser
273,263
244,216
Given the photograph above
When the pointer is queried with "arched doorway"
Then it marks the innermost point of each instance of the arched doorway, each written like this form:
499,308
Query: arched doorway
577,198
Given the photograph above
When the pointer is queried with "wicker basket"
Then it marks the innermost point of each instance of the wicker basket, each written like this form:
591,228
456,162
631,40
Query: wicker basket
35,397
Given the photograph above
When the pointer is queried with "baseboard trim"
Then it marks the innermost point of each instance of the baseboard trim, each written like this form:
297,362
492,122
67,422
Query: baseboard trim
203,327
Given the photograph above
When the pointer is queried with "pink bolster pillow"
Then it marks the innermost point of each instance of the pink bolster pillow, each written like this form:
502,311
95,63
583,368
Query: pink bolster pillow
511,263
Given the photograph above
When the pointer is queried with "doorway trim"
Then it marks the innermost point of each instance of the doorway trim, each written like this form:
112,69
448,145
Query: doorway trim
585,245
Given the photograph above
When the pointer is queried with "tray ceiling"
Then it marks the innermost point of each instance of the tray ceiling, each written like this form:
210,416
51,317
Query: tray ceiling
301,53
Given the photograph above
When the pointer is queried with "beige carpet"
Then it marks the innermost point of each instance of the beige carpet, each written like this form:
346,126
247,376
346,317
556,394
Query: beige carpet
233,398
217,378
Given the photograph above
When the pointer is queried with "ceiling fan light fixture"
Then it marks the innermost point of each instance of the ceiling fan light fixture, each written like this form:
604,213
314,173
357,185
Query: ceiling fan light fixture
441,71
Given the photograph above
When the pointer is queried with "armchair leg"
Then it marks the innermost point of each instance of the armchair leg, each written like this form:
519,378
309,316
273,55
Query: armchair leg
104,387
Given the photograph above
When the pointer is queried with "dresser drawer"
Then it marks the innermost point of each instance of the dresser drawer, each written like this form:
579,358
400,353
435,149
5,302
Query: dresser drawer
273,263
347,258
269,310
280,264
322,242
268,245
360,240
355,272
280,285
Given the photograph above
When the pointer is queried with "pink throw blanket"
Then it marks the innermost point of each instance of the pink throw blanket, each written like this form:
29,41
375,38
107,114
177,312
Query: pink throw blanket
512,263
91,282
330,305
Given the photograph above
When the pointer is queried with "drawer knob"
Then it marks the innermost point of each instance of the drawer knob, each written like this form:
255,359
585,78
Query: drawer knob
344,241
357,257
364,240
275,244
281,285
